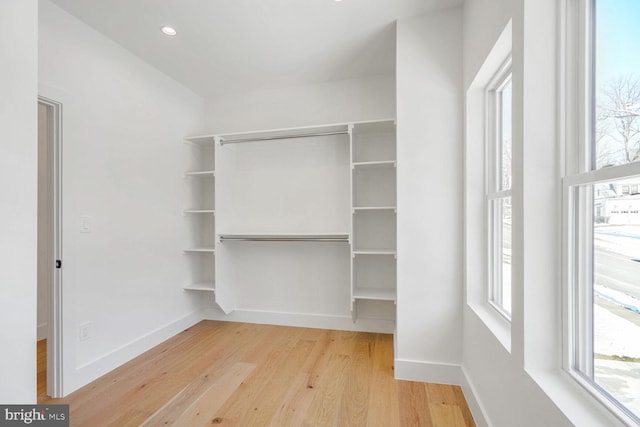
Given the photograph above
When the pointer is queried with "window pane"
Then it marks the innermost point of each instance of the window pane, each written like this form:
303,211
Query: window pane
617,83
505,132
505,303
500,291
616,291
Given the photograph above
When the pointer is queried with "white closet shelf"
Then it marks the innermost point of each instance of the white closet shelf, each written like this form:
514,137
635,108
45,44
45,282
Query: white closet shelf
374,208
374,252
199,211
201,286
374,294
200,249
286,237
376,164
200,173
375,127
201,139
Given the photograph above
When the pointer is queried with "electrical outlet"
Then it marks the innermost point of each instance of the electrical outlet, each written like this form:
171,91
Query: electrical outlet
85,331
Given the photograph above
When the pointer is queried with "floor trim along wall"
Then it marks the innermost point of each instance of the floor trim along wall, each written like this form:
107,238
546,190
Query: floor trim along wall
96,368
442,373
317,321
478,411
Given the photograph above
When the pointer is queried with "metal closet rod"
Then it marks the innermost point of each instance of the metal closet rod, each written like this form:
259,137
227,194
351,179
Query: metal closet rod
329,239
292,136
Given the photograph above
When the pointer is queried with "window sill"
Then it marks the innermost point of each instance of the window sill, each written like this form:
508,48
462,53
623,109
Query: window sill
575,401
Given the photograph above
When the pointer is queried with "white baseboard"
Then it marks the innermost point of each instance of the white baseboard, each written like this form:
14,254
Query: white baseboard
477,410
43,332
443,373
342,323
96,368
428,372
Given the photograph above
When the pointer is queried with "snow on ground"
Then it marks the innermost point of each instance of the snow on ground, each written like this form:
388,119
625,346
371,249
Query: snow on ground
613,335
621,239
620,379
617,297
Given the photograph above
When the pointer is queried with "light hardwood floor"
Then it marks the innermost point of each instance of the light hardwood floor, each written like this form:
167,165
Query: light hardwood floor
42,369
238,374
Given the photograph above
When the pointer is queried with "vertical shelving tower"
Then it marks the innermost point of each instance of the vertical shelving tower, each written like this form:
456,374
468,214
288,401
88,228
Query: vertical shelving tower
373,196
200,214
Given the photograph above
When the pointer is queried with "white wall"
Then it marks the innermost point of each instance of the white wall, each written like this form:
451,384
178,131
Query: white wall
429,134
18,193
123,161
332,102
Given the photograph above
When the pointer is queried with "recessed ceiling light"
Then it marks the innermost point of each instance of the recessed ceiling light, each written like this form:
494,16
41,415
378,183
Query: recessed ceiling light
170,31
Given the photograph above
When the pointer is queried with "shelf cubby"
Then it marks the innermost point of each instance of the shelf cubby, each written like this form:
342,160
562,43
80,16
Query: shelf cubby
375,141
201,272
374,231
374,187
374,278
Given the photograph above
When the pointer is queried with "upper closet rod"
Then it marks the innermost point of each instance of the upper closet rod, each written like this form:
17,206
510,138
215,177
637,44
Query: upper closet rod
271,138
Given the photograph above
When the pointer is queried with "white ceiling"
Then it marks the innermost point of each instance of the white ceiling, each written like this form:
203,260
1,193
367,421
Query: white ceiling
226,46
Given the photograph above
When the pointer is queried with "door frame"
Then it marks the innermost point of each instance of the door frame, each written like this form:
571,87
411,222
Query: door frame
54,340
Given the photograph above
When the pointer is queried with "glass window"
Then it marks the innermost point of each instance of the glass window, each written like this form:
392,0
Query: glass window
603,227
499,147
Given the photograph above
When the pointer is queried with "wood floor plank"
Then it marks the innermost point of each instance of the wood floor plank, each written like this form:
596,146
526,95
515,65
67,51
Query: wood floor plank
384,409
354,410
464,408
414,404
203,409
208,367
327,398
41,366
272,393
446,415
321,353
273,352
235,374
295,404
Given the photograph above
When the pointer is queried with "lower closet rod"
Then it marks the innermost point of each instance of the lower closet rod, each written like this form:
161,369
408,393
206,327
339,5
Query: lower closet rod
284,239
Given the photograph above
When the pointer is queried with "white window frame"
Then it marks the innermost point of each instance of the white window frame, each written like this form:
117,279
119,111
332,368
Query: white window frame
494,194
579,174
475,190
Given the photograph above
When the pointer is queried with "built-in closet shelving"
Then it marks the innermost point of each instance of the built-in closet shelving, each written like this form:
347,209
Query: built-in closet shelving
303,220
200,214
373,186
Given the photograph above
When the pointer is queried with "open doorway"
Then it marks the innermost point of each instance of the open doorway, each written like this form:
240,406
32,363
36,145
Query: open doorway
49,321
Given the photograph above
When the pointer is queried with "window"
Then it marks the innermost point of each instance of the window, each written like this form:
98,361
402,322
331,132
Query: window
498,194
601,228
